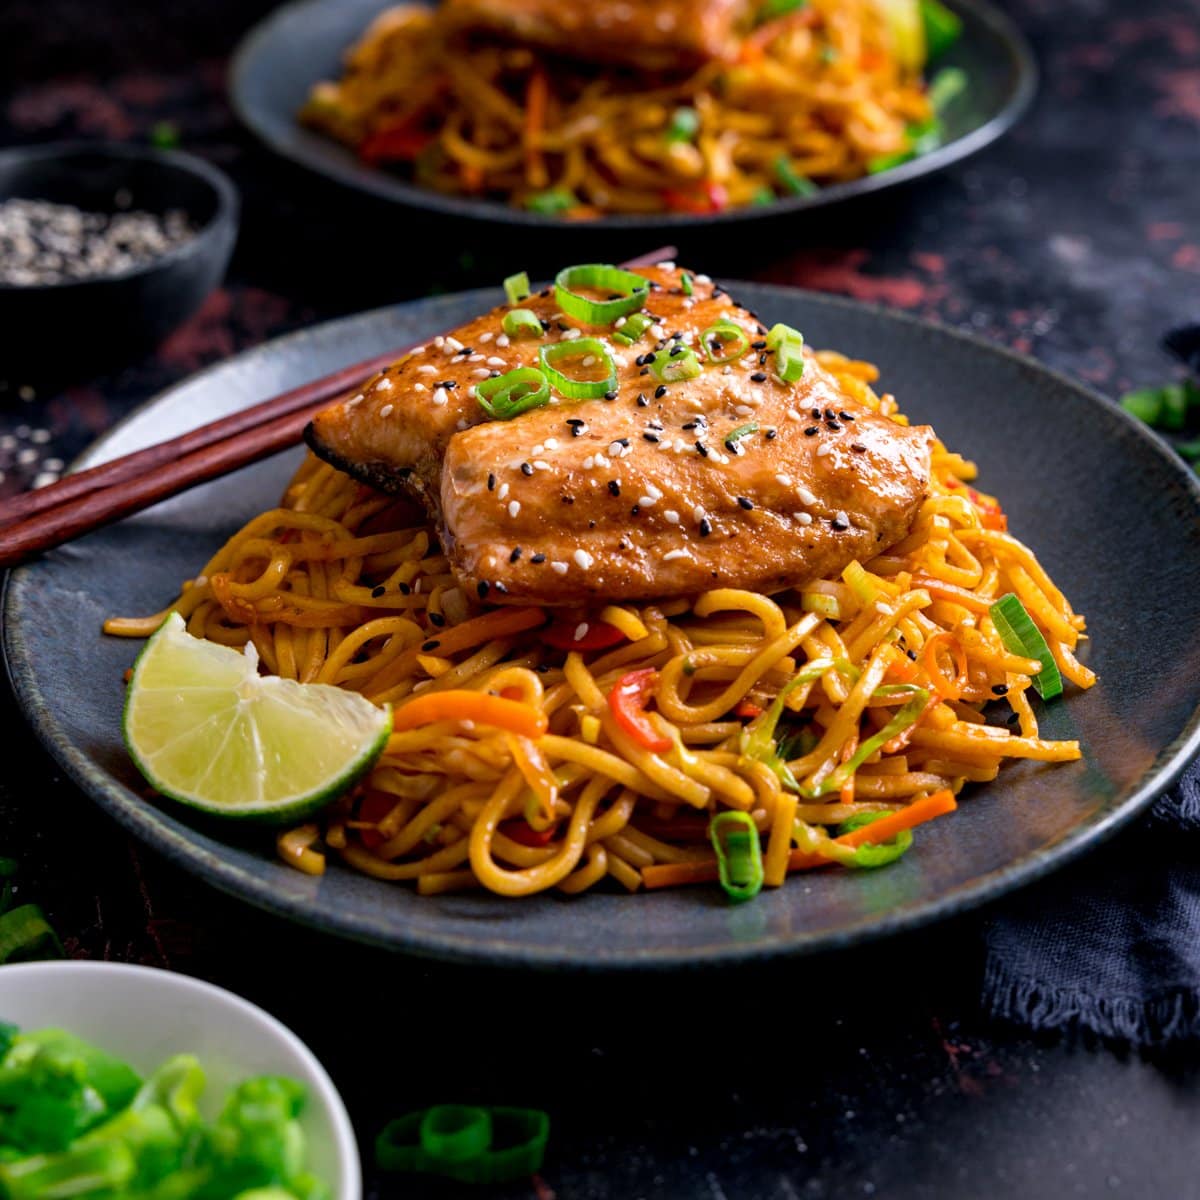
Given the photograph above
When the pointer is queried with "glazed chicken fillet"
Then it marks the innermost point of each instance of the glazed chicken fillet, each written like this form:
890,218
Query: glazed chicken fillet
644,495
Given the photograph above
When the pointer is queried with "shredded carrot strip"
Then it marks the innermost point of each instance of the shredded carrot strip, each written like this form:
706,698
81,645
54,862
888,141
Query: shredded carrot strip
518,718
948,689
948,591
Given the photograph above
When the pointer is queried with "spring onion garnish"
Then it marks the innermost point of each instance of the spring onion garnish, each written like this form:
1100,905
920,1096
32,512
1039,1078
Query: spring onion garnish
675,365
510,395
516,287
773,9
762,197
1021,636
797,184
627,292
788,344
551,203
736,435
684,125
634,328
948,83
521,322
685,282
580,348
717,340
942,27
885,162
1163,407
904,719
875,854
739,854
465,1143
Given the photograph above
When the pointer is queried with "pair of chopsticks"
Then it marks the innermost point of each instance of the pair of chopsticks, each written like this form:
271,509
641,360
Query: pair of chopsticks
87,500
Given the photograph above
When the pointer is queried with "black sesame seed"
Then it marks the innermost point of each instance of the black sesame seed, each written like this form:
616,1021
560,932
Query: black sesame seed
404,589
744,503
436,619
526,468
676,350
1001,689
644,371
494,375
760,345
858,447
482,587
677,336
688,425
611,395
615,296
911,654
538,559
578,430
491,482
542,668
829,414
762,330
642,402
762,360
633,512
563,326
810,431
771,434
576,421
845,416
516,553
840,525
660,391
705,527
649,358
545,292
614,487
545,326
833,426
376,592
702,449
758,377
430,646
650,437
467,350
622,441
816,414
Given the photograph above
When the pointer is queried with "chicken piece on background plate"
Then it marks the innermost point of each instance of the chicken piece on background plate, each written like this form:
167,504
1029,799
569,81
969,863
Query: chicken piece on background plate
708,452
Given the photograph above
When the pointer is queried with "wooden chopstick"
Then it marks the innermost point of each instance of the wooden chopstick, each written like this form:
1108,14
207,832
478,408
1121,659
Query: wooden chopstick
87,500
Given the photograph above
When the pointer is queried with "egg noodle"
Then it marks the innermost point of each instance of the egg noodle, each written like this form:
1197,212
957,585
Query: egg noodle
890,665
822,94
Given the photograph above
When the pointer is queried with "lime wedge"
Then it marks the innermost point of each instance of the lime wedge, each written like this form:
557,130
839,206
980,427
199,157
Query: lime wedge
206,729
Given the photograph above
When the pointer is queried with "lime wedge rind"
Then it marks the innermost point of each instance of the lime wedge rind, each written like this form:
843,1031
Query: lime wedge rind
249,747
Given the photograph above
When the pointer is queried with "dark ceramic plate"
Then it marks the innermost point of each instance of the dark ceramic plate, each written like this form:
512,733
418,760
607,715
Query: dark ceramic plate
1113,514
281,58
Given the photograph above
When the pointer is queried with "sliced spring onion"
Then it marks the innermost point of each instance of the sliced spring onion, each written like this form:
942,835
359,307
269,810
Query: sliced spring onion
948,83
723,333
676,365
821,604
1146,404
875,854
516,287
942,27
579,389
734,837
788,344
521,322
735,435
684,125
634,328
25,934
685,282
773,9
1021,636
885,162
628,292
797,184
763,197
905,718
510,395
551,202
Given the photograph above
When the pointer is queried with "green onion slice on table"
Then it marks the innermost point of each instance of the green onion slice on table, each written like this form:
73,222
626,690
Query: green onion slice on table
625,291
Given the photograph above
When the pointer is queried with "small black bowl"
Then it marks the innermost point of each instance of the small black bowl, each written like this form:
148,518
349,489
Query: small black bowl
58,329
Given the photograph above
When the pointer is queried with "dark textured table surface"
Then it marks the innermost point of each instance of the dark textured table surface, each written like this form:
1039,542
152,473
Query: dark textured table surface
1077,240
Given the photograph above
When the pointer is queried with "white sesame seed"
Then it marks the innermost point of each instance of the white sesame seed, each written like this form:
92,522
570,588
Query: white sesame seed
419,387
354,403
387,410
726,370
589,463
476,358
658,331
503,493
27,456
590,361
672,555
601,461
53,464
794,415
514,507
840,518
570,335
646,502
415,351
481,373
744,410
583,559
823,449
619,322
453,344
803,517
783,480
384,385
552,443
536,450
540,464
439,342
471,391
496,362
441,396
581,631
502,340
484,338
669,265
805,496
698,513
703,279
427,369
458,358
655,492
671,516
559,568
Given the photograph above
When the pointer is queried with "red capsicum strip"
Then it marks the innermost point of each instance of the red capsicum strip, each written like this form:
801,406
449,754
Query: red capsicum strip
600,636
628,703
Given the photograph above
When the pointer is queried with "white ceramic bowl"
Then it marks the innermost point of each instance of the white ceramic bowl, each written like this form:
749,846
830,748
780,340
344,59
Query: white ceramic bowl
144,1016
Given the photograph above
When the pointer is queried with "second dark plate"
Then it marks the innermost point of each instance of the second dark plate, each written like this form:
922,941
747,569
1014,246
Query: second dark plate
300,43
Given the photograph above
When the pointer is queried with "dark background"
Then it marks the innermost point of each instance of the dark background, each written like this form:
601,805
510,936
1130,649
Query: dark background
1077,239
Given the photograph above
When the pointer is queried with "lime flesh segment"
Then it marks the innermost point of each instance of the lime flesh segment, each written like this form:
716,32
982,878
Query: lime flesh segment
206,729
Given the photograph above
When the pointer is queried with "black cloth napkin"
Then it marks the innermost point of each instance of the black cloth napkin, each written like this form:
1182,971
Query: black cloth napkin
1111,944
